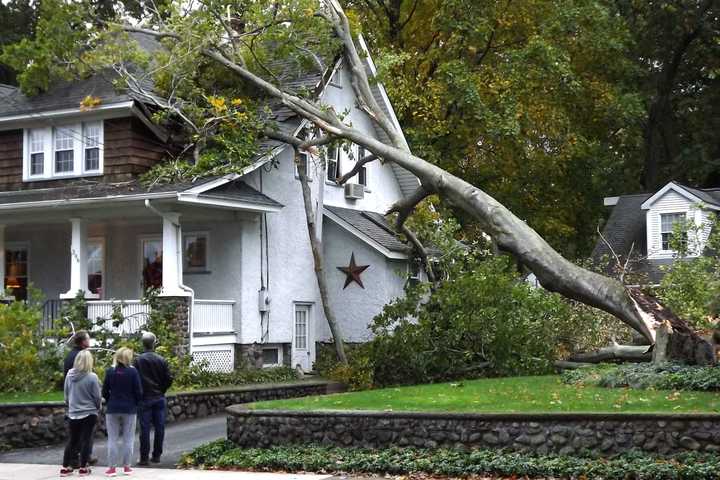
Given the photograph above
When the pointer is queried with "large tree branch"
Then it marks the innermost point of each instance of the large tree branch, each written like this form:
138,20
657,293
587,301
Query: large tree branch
356,168
405,206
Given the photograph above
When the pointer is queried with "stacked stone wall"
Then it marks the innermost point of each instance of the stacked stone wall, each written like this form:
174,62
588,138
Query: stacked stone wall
567,434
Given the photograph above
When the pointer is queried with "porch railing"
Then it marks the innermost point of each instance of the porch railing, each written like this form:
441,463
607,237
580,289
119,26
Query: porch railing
213,316
134,311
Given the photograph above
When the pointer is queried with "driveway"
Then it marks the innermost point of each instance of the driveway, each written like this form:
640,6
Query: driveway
179,437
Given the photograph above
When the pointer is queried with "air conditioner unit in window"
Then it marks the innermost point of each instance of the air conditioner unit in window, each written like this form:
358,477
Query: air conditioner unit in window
354,191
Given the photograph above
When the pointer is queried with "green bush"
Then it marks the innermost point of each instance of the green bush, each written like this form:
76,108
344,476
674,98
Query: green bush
484,321
28,362
454,463
648,376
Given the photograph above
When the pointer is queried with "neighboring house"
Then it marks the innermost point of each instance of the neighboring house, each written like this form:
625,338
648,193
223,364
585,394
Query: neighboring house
642,225
74,217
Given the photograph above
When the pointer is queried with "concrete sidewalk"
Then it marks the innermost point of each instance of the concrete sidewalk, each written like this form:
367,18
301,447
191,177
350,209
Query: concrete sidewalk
24,471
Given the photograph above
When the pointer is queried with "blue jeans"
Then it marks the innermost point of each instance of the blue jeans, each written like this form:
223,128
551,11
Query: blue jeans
121,436
152,414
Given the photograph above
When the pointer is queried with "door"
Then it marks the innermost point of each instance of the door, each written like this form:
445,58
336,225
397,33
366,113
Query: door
302,342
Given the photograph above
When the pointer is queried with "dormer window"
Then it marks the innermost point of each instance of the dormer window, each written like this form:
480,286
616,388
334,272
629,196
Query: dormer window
668,221
70,150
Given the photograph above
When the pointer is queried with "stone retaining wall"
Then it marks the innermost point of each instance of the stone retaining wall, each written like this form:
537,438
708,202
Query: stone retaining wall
36,424
566,434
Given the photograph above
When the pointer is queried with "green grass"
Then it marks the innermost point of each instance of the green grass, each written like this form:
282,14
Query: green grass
56,396
504,395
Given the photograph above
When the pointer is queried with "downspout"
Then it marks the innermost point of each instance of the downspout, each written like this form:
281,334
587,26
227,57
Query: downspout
178,255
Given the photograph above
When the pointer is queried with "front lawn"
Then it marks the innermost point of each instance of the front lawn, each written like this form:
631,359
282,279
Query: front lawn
516,394
23,397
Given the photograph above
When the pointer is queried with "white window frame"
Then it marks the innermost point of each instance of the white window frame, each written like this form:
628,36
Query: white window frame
186,268
308,161
338,164
307,307
660,229
364,169
103,245
79,146
141,254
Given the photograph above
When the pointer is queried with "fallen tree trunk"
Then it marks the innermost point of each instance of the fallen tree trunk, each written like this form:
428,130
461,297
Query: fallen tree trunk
614,352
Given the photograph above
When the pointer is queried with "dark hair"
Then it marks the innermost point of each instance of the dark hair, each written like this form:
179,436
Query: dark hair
80,336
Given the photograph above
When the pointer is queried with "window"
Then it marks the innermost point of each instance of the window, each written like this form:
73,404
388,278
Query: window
668,221
96,265
16,271
301,328
36,150
304,160
333,163
196,249
270,356
362,173
152,263
63,151
91,136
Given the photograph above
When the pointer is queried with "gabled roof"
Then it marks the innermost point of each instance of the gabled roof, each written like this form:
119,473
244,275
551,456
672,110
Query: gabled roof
709,197
624,228
370,227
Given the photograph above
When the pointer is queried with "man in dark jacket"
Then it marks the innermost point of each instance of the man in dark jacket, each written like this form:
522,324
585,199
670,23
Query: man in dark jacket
80,341
156,379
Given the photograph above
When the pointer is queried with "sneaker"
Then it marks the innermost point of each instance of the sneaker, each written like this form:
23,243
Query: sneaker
66,471
84,472
155,459
111,472
127,471
93,461
144,462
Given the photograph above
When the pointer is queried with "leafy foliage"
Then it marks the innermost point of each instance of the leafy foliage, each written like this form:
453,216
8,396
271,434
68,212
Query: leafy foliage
454,463
648,376
691,286
23,349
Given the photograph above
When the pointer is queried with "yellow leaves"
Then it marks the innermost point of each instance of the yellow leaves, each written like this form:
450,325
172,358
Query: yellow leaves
236,102
218,103
89,102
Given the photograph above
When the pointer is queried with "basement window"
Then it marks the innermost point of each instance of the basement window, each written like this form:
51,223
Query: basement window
271,357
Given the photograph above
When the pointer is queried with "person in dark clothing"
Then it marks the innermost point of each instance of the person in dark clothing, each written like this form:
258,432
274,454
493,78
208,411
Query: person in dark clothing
156,379
122,390
80,341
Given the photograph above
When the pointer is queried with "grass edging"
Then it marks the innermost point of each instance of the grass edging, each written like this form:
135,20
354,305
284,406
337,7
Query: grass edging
458,463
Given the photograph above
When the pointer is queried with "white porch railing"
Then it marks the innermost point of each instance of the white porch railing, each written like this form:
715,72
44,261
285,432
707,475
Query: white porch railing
213,316
134,311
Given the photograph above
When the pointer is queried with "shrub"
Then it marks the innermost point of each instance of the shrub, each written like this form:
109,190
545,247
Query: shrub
485,320
28,362
454,463
648,376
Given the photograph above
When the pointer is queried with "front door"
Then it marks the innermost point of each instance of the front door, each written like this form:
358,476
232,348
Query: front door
302,341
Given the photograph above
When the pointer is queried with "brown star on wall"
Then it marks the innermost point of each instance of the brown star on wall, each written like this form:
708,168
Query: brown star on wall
353,272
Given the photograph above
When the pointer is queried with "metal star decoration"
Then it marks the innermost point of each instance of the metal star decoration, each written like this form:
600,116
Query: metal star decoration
353,272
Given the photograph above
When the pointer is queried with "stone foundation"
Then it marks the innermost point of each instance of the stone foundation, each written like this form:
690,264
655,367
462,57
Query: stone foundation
567,434
37,424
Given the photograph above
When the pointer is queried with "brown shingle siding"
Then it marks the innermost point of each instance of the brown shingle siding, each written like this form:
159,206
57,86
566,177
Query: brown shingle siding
130,149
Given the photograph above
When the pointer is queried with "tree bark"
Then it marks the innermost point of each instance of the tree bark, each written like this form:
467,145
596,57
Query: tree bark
316,247
614,352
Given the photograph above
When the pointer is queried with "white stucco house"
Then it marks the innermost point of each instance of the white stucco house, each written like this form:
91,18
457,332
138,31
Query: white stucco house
641,225
74,217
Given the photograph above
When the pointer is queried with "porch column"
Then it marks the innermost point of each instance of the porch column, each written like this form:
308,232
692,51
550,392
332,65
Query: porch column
172,269
78,261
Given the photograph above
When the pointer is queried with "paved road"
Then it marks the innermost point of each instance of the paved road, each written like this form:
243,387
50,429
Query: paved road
179,437
17,471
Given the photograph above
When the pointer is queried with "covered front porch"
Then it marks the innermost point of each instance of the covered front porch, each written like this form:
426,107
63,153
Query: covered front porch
112,250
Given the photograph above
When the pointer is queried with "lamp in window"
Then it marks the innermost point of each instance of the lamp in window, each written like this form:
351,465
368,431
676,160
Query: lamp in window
14,272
